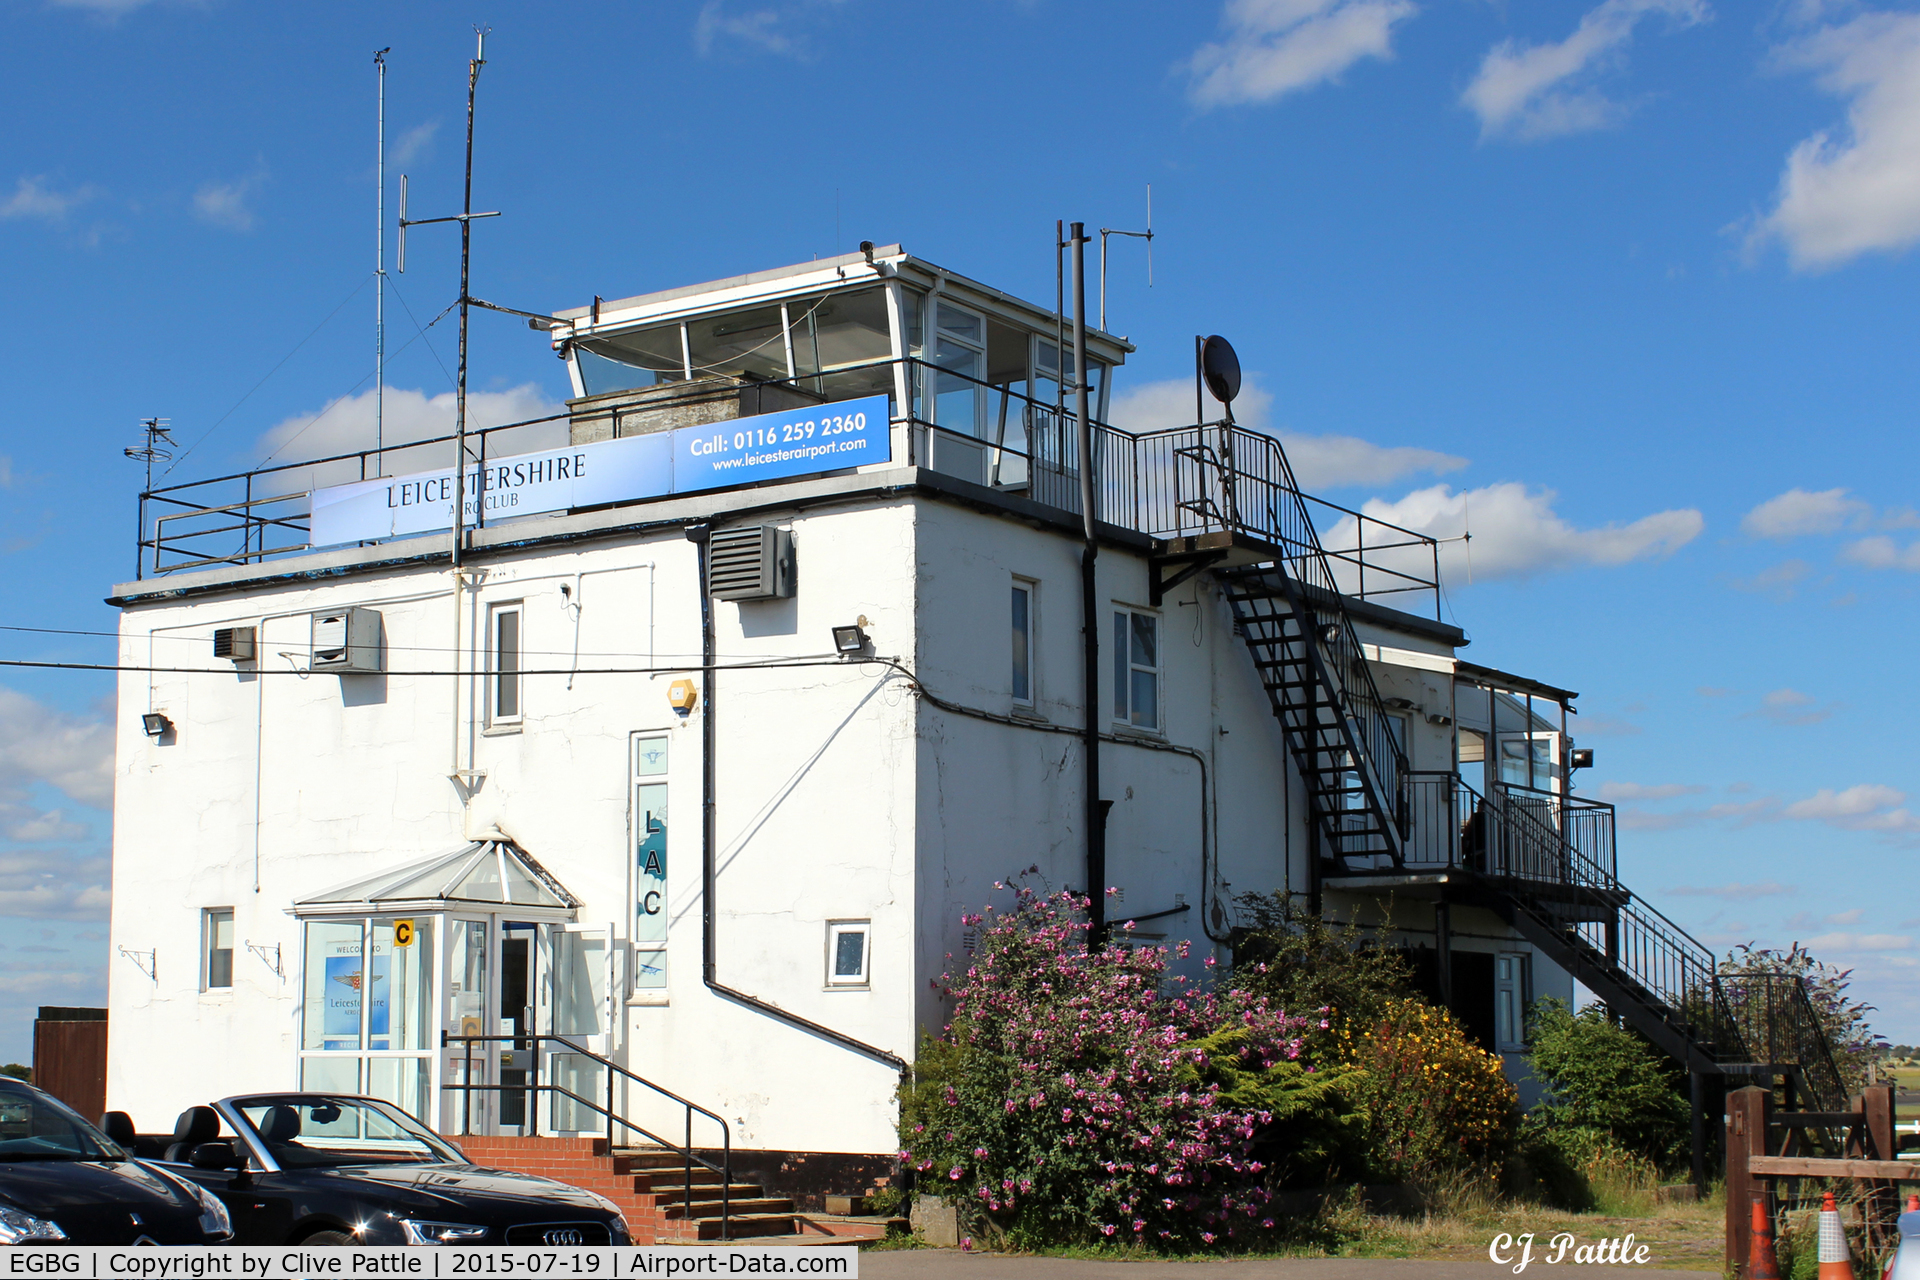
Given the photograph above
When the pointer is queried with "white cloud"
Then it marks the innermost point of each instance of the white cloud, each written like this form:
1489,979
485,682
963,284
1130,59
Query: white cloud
54,884
1866,807
1778,581
33,198
1859,942
1274,47
1855,190
1319,462
1881,552
412,144
1735,892
1843,918
347,424
41,744
1797,513
224,204
1516,531
1791,707
1543,90
758,28
1614,792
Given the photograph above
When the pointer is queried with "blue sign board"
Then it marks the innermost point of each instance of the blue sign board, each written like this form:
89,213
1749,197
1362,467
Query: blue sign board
768,446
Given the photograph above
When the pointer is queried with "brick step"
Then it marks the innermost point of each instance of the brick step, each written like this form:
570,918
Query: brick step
741,1192
759,1206
742,1226
677,1167
828,1227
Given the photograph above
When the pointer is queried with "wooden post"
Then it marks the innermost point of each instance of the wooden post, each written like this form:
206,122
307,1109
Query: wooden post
1748,1112
1882,1208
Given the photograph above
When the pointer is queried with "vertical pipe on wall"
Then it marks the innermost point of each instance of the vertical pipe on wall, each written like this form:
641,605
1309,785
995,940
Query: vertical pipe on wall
1096,813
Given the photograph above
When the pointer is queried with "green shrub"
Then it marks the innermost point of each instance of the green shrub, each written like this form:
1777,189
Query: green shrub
1607,1089
1435,1101
1301,962
1081,1095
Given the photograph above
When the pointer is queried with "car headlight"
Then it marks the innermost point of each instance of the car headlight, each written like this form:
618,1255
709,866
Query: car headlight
214,1218
23,1228
421,1232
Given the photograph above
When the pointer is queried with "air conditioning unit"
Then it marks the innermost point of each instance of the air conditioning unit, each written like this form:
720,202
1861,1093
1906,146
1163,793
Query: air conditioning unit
236,644
347,641
754,562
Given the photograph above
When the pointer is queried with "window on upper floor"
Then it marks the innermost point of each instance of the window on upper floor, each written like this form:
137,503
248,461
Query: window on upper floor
216,934
504,664
1023,601
1136,668
847,953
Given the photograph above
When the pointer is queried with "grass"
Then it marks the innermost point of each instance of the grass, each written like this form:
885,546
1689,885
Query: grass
1464,1219
1683,1235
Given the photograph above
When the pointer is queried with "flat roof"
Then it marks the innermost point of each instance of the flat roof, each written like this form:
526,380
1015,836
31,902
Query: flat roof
888,262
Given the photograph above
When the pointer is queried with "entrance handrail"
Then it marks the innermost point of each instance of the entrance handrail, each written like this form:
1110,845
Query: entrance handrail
686,1150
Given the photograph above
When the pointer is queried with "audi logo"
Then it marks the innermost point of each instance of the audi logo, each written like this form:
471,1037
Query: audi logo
564,1236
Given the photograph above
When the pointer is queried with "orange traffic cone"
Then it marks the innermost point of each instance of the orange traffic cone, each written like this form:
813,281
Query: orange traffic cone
1761,1262
1835,1262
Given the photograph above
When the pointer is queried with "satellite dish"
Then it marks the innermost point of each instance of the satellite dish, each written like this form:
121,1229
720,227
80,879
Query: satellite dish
1221,369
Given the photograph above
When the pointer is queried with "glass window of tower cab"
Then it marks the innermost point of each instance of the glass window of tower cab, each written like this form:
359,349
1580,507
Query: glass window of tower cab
987,379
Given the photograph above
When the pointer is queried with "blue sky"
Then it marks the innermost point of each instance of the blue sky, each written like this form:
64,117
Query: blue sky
1624,286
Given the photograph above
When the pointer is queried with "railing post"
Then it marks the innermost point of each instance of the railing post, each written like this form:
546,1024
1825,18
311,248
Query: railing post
686,1205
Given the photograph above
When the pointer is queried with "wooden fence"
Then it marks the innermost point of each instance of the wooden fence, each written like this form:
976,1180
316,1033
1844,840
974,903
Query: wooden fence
1772,1153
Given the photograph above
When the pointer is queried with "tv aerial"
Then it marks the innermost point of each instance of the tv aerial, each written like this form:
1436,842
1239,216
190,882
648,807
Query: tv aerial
1146,235
158,446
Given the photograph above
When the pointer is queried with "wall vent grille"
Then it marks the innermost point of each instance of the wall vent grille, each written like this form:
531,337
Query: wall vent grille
234,643
750,563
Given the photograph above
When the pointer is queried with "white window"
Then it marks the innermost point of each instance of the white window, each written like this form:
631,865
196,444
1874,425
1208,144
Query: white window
847,953
1510,977
504,662
216,934
1023,598
1136,668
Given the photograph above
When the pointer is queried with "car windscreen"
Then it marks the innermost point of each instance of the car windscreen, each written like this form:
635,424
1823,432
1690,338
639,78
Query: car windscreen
308,1131
37,1126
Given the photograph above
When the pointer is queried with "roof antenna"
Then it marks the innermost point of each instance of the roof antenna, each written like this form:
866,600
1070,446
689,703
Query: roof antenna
380,271
158,446
465,218
1146,235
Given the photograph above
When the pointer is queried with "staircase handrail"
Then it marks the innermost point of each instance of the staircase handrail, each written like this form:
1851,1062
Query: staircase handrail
1227,450
1807,1044
687,1151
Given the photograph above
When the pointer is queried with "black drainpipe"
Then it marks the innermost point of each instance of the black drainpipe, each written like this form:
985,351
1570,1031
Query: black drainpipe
710,844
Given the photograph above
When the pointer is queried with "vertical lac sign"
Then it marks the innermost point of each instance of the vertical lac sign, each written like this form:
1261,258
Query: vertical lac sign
650,864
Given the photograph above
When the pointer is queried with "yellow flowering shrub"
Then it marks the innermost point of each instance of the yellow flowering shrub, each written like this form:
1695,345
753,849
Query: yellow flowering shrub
1434,1099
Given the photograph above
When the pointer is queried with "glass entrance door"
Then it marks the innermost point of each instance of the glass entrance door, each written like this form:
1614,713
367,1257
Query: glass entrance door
519,986
467,1013
583,1008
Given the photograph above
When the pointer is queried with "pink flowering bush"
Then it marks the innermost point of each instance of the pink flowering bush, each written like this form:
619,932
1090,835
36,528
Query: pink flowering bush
1082,1094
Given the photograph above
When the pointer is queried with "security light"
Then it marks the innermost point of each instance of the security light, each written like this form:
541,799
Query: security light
1330,634
155,724
849,640
1583,757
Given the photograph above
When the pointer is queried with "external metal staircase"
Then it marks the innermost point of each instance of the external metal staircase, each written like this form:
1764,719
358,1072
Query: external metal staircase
1224,500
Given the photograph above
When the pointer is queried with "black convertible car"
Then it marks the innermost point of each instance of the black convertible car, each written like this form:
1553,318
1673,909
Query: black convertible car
333,1169
64,1182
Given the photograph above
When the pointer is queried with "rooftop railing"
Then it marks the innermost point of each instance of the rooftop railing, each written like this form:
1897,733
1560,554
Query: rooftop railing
1186,481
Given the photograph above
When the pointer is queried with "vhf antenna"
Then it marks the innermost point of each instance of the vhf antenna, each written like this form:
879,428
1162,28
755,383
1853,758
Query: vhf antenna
380,272
158,447
465,218
1146,235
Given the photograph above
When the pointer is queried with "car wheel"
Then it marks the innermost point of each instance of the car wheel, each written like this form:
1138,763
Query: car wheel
329,1238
